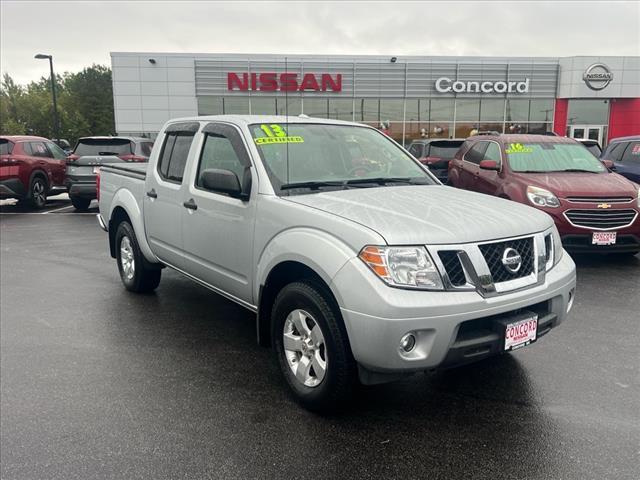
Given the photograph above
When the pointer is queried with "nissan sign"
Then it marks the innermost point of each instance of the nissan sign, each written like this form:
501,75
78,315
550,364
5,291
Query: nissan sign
447,85
597,76
284,82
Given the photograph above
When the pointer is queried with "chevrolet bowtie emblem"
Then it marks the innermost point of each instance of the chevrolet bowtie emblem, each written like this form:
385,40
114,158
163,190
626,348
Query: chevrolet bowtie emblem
604,205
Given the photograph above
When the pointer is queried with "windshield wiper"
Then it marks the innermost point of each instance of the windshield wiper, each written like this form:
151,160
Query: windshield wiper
108,153
312,185
382,180
576,170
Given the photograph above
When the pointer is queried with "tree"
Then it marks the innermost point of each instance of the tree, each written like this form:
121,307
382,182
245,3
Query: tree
85,105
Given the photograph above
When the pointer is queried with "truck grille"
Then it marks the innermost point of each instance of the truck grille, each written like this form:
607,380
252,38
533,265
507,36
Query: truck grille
599,199
493,253
601,219
453,267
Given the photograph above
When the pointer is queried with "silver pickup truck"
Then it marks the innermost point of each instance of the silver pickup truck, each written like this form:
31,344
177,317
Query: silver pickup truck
358,263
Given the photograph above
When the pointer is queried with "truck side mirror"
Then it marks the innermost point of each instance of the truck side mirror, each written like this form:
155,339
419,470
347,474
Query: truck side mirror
222,181
489,165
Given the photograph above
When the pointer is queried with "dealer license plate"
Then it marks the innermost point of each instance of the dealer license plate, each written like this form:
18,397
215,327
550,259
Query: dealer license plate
520,333
604,238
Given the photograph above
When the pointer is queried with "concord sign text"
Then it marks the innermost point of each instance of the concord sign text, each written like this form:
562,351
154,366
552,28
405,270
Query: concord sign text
447,85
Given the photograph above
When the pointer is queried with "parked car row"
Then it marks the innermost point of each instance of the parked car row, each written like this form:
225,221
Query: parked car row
32,168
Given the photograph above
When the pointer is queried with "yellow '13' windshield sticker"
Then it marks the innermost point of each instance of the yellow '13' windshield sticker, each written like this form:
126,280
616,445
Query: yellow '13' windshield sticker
518,148
276,134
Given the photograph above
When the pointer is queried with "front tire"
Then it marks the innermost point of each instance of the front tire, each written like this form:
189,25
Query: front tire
312,347
80,203
136,273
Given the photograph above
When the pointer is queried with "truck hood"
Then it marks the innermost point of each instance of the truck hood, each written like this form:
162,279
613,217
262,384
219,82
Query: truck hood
581,184
433,214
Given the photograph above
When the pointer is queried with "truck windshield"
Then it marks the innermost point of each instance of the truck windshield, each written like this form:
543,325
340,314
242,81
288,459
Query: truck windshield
308,157
547,157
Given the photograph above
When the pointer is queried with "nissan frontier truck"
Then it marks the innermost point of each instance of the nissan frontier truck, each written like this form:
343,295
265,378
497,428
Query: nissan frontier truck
358,263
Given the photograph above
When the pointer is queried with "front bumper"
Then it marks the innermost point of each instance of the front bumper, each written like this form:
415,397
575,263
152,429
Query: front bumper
377,316
578,239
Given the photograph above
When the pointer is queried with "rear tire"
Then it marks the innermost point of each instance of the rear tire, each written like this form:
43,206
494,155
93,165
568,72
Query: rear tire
305,316
37,194
136,273
80,203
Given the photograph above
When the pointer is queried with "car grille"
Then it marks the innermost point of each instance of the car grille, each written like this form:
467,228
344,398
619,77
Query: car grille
453,267
599,199
493,253
601,219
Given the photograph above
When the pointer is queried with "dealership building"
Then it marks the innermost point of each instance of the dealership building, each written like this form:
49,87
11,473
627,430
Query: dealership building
410,97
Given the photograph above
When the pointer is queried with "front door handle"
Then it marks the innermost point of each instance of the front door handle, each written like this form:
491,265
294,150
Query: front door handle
190,204
152,193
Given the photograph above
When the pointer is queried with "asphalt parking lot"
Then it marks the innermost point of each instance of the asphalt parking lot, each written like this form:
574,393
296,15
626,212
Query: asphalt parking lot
100,383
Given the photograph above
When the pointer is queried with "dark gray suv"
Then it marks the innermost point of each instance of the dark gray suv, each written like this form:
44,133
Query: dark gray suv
91,152
436,153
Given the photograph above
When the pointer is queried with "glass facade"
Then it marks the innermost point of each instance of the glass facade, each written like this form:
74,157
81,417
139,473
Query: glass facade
411,118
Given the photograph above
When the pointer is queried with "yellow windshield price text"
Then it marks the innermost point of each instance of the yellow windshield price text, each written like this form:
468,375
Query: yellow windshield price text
519,148
272,140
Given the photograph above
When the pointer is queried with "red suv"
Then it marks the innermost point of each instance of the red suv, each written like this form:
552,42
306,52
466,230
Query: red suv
593,208
30,169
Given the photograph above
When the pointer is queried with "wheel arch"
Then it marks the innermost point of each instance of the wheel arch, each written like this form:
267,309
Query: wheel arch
125,204
281,275
38,172
300,253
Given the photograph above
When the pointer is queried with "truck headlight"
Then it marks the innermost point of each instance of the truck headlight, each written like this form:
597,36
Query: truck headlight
557,246
541,197
405,267
553,245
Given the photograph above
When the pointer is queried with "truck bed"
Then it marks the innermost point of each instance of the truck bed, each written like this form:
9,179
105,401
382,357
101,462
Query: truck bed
136,170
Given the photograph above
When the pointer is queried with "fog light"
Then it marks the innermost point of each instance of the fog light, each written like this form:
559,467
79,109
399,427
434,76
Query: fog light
407,343
572,296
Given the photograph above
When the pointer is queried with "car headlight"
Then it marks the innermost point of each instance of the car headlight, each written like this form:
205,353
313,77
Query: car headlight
405,267
541,197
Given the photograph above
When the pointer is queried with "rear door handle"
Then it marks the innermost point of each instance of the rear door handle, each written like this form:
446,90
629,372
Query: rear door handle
190,204
152,193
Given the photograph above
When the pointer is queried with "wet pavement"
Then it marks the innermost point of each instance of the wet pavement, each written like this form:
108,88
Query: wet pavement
100,383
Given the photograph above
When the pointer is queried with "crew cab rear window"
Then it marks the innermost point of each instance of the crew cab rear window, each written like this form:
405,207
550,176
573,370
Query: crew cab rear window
103,146
173,156
6,147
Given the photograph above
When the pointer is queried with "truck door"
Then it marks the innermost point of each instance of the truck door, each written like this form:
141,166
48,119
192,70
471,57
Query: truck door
218,229
487,181
163,194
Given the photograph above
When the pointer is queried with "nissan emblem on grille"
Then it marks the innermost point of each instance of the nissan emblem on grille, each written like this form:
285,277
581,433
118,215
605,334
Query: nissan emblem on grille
511,260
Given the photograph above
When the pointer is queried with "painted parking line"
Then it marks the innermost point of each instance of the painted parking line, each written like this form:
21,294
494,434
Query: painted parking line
57,209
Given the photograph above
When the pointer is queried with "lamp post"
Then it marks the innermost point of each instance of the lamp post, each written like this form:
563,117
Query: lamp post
56,126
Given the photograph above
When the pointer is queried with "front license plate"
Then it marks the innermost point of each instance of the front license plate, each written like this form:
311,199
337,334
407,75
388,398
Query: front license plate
604,238
96,170
521,333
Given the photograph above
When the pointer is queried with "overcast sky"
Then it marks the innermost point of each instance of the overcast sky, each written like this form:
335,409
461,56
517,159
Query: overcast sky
78,34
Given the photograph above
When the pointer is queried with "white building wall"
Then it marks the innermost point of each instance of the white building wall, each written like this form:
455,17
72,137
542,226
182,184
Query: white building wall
146,95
